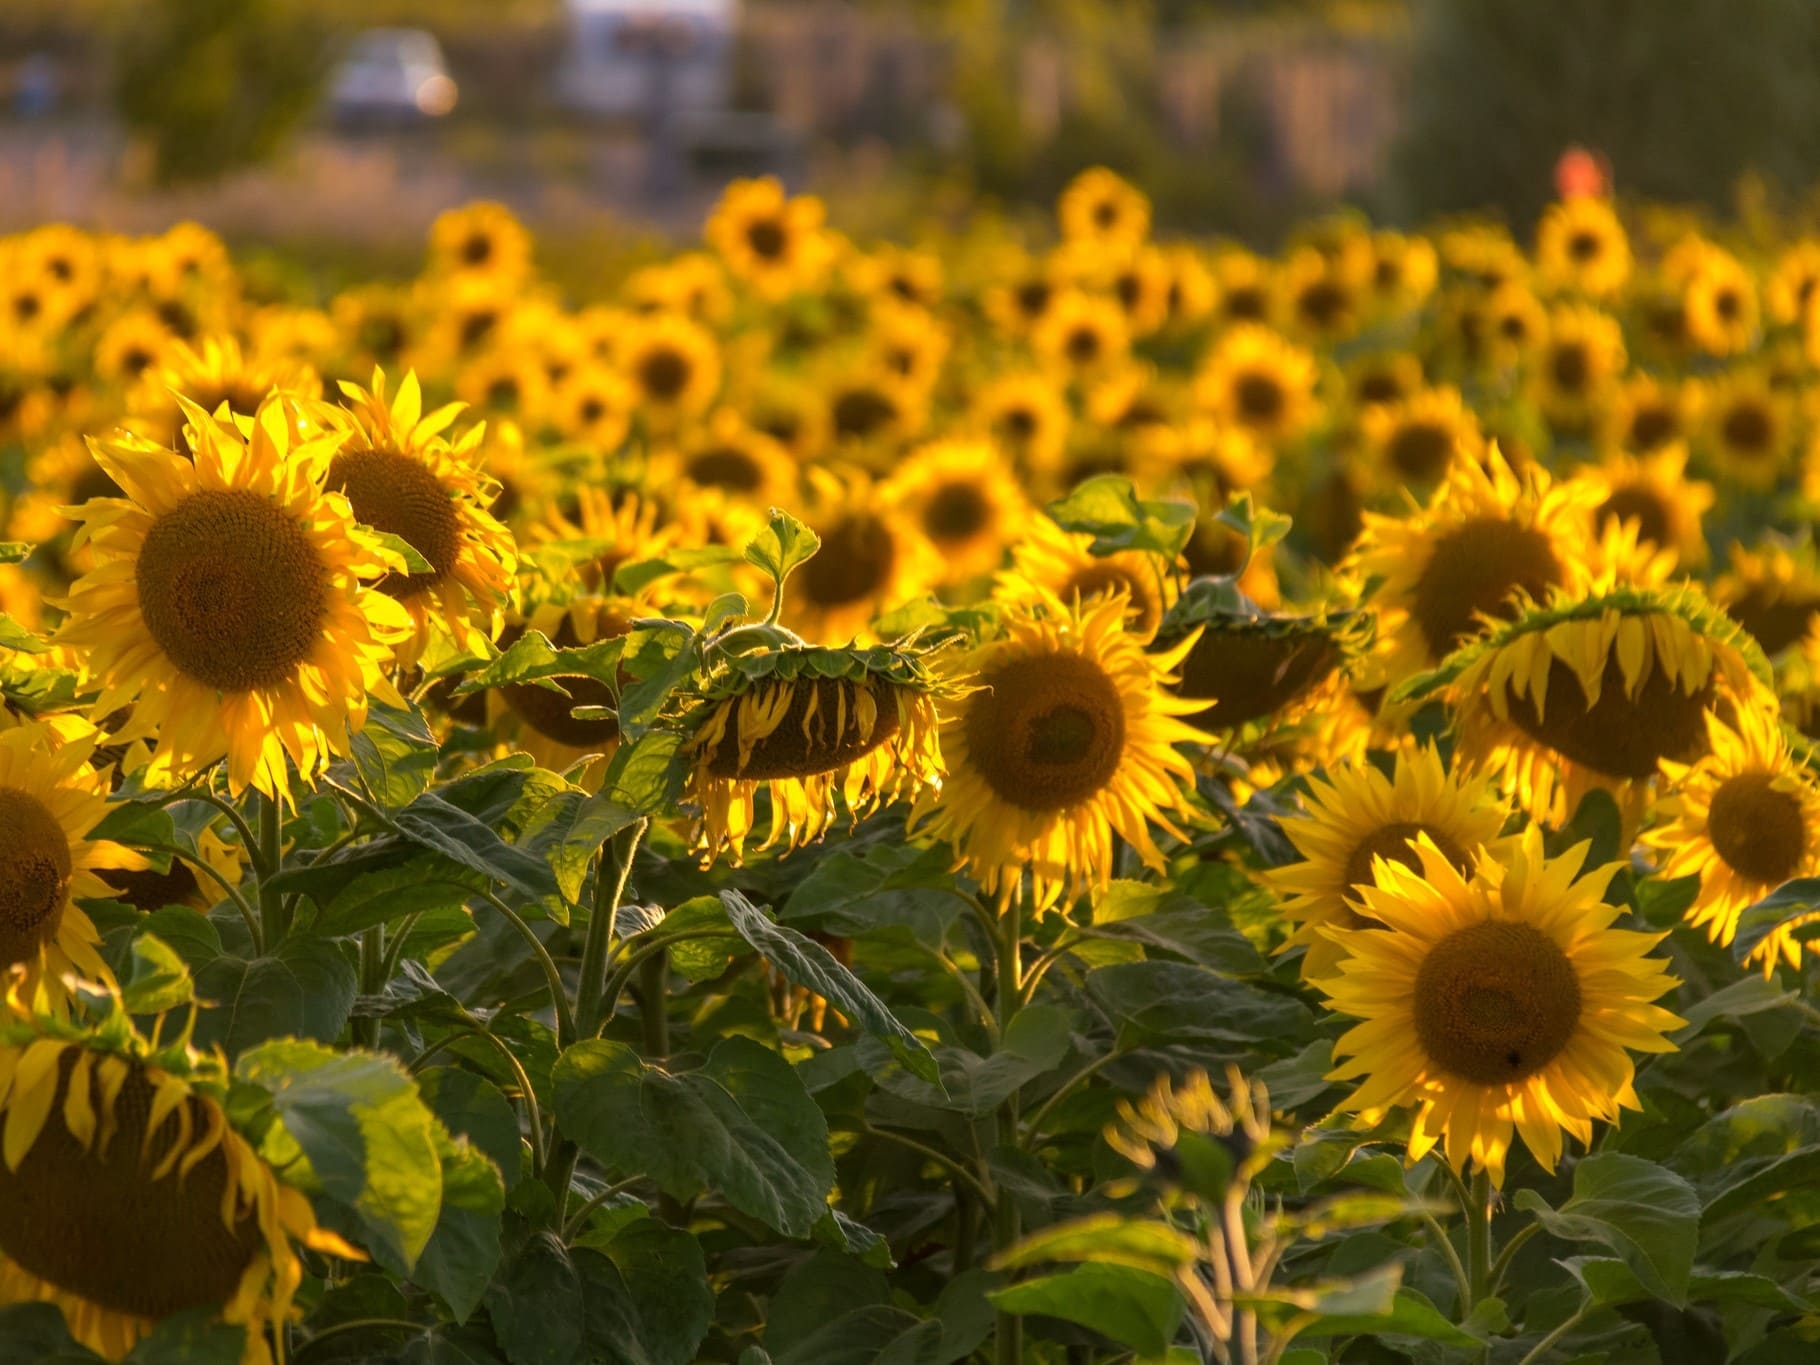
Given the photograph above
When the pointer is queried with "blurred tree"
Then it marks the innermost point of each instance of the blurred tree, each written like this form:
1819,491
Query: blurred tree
1682,96
211,85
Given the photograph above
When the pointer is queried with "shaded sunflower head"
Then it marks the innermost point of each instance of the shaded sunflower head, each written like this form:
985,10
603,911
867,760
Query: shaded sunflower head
1358,820
1648,413
1415,440
1576,367
1747,430
127,1195
1247,668
824,733
1322,296
1596,692
1773,591
1403,271
227,607
727,454
130,346
770,240
1247,287
1496,1004
540,719
1055,563
1026,415
966,502
1719,298
1795,282
673,365
483,240
1255,379
1581,246
1743,819
403,477
1382,377
1102,207
872,558
1486,541
1068,738
1081,335
1653,493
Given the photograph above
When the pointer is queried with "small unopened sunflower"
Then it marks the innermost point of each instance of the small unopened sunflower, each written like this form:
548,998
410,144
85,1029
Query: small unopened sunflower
1497,1004
1101,207
823,732
50,798
1744,819
1358,820
402,476
1068,739
228,604
1582,246
1052,562
128,1196
1596,692
1256,380
773,242
966,502
1487,538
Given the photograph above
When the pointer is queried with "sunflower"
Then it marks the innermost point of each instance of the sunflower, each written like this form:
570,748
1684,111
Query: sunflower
1381,377
504,381
1321,297
693,284
1416,440
1793,283
1081,335
791,413
870,410
403,477
1511,323
1141,279
226,605
1026,415
821,731
606,532
1483,255
1403,271
1743,819
482,240
1654,492
1582,246
1496,1003
130,345
1593,692
965,501
910,277
1772,591
592,405
673,365
1255,379
127,1195
727,454
907,342
214,372
1486,540
68,256
1069,738
1577,366
773,242
1720,300
1247,287
541,721
1052,562
1246,669
1023,296
1648,413
1101,207
50,798
1358,821
381,324
1747,430
872,558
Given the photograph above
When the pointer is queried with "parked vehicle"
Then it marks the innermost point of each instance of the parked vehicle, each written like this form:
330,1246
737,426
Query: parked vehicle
640,59
391,75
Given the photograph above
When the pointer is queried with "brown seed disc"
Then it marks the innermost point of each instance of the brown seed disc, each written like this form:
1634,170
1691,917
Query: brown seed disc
1641,505
232,589
1475,567
94,1223
402,497
1421,451
1048,732
1392,842
956,512
1757,829
1775,622
1260,398
551,714
1495,1002
1621,737
663,372
790,752
726,467
861,412
1249,675
853,564
35,871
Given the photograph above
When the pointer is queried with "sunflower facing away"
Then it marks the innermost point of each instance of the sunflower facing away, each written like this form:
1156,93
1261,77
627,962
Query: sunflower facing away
1595,693
1359,820
401,476
1744,819
1068,740
821,731
226,606
127,1196
1496,1003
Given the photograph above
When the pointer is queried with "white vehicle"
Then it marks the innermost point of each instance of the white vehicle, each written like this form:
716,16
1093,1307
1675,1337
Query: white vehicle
638,59
392,75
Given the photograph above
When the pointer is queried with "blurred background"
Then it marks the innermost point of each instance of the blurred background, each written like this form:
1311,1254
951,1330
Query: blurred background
337,129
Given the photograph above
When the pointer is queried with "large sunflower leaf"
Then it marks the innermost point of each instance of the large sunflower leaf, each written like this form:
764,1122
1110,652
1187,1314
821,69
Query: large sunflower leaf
1108,508
1645,1213
1135,1307
304,989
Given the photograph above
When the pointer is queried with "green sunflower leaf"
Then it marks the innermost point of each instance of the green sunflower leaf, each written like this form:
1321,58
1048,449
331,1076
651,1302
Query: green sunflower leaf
784,545
1645,1213
1108,508
1136,1307
1788,905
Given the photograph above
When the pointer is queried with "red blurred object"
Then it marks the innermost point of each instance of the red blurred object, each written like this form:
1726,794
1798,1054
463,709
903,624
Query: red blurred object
1582,174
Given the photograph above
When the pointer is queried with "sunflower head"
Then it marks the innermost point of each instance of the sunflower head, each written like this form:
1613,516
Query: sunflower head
1415,440
1495,1002
1652,493
1053,562
483,240
1256,380
966,503
1581,246
1101,207
1773,591
771,241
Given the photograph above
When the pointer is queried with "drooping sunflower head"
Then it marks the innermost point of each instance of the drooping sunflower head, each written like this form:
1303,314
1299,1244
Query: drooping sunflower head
1495,1003
1359,820
1416,440
128,1196
770,240
966,502
1488,539
227,604
1743,819
1255,379
1052,562
823,733
1772,591
1652,493
1596,692
1250,668
482,240
1068,739
1102,207
402,476
1581,246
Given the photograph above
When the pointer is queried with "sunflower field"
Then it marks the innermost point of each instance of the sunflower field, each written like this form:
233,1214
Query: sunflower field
1056,797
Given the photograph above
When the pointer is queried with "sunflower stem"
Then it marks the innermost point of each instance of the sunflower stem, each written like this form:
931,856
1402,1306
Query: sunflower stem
1478,1237
611,877
273,915
654,998
365,1031
1006,1225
